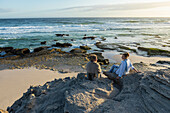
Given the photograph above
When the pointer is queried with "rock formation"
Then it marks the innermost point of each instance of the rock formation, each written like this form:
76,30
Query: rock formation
85,47
78,50
90,37
62,45
147,92
61,35
44,42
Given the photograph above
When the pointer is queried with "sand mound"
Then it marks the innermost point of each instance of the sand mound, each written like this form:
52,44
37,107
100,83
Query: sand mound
141,93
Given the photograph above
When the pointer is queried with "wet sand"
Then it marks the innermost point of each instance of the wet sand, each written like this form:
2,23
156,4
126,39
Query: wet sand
116,58
13,83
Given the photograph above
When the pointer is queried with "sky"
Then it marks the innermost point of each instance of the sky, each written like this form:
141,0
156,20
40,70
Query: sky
84,8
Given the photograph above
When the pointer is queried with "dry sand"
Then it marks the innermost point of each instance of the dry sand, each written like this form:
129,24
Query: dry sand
13,83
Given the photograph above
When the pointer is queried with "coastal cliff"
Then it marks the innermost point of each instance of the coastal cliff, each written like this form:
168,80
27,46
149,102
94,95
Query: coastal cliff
146,92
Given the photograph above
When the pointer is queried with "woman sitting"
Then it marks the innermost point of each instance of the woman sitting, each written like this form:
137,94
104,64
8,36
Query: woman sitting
116,72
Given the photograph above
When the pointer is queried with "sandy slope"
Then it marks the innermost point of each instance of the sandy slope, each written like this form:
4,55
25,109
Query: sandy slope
13,83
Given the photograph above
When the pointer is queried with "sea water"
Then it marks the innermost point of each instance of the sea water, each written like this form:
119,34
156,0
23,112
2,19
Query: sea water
130,32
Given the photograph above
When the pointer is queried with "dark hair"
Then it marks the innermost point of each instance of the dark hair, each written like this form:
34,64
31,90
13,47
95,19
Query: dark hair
93,57
126,54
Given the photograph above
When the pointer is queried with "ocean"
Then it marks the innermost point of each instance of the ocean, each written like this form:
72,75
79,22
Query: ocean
130,32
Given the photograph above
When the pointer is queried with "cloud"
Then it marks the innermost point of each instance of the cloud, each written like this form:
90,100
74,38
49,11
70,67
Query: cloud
118,7
5,10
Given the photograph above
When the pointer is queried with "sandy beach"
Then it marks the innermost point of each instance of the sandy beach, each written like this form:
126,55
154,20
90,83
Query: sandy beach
17,81
82,56
116,58
13,83
66,55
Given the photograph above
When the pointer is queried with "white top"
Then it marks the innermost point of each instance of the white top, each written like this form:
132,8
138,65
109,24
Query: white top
124,67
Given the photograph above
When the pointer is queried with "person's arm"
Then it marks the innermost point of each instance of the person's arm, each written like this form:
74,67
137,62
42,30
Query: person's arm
99,68
122,70
134,68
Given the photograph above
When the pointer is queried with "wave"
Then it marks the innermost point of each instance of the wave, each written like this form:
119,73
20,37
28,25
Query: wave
132,21
45,29
161,21
151,21
126,34
149,34
76,22
123,29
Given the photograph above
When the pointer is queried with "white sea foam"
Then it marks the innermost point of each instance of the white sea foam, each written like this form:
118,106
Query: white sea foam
126,29
39,29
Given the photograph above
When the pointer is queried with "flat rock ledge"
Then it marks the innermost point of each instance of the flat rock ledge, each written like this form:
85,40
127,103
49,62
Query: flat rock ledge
147,92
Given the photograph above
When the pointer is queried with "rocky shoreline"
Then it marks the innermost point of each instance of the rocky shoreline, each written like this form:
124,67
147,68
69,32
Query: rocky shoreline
79,95
53,59
141,93
14,58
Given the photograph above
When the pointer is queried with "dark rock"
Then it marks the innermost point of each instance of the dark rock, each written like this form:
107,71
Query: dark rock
13,52
136,43
90,37
99,55
61,35
6,49
155,51
103,39
78,50
20,51
44,42
115,37
103,61
62,45
163,62
55,40
40,48
97,43
126,48
85,47
113,46
72,39
153,64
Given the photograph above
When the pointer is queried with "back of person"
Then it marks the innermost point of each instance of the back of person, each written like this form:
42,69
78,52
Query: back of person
93,68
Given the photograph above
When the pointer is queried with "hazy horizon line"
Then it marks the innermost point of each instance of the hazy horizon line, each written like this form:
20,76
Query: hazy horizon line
77,17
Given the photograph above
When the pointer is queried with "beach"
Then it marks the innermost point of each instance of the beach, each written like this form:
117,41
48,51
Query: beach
17,78
15,82
47,62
